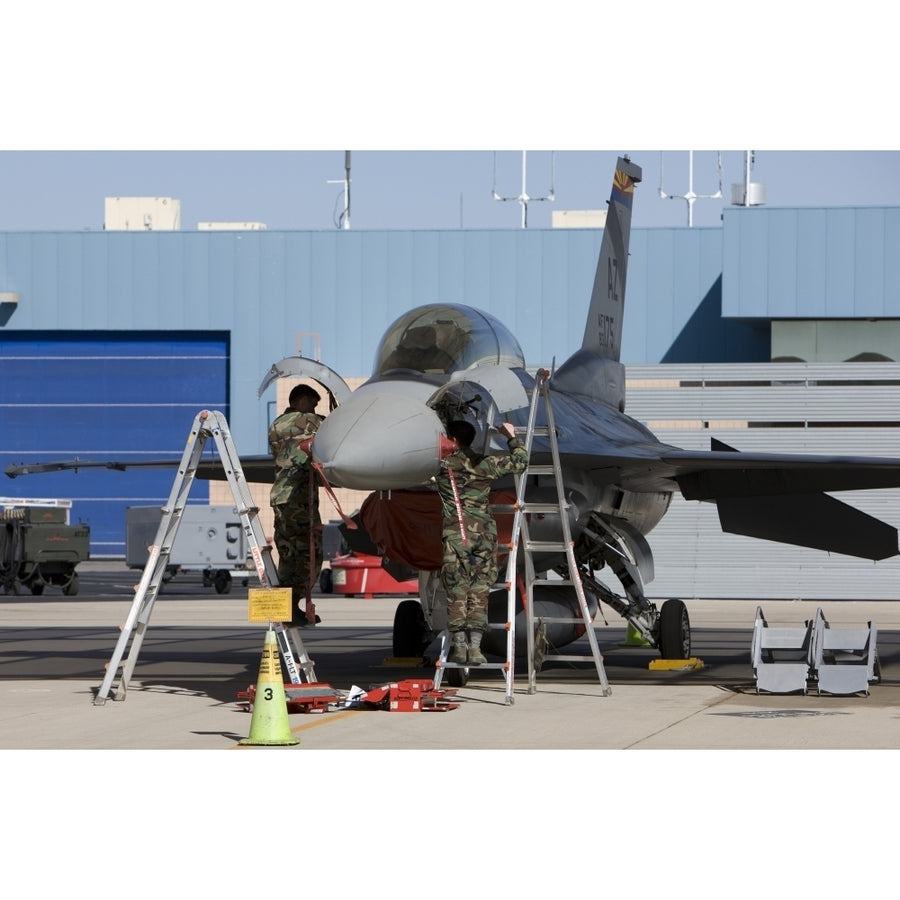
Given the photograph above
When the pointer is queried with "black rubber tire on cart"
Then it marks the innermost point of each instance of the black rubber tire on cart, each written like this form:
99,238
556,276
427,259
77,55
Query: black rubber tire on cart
222,581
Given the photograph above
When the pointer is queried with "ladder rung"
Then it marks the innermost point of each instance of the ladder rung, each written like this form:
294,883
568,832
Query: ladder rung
566,657
540,470
450,665
554,582
542,507
562,620
542,546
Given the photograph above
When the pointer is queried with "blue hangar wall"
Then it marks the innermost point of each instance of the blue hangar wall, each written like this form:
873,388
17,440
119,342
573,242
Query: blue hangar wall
117,339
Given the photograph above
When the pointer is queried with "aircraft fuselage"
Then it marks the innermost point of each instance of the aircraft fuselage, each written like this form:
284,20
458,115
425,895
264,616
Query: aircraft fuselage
386,437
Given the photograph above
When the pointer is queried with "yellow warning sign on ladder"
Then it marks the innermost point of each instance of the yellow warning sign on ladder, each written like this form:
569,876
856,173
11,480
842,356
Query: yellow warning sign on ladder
272,605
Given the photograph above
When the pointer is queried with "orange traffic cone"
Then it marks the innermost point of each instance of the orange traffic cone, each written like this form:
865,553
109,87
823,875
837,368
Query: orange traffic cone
269,725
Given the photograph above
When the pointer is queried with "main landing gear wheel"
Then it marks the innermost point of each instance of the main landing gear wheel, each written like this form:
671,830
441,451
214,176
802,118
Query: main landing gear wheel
457,677
410,629
674,630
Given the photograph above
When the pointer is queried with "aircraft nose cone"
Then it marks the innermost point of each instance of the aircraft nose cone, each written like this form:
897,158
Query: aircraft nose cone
379,442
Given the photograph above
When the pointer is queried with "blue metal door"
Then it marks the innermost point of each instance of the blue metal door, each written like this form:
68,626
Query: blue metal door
108,396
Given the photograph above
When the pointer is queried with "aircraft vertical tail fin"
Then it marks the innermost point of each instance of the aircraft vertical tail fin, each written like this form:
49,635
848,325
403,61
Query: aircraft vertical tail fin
595,370
603,329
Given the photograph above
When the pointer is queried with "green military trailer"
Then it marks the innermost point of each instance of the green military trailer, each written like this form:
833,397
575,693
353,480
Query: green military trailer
38,547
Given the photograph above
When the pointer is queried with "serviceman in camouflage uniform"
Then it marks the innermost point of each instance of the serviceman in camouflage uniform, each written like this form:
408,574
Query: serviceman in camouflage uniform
470,568
295,498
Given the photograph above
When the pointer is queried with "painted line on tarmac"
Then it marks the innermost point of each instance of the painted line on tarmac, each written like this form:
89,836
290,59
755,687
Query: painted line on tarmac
326,717
319,720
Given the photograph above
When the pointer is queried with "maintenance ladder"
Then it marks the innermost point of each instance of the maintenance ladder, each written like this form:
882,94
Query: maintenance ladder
520,535
537,647
206,424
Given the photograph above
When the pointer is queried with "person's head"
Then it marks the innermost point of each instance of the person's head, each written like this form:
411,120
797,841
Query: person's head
303,398
462,432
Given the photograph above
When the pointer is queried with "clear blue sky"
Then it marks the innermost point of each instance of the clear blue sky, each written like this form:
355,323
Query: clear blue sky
65,190
243,113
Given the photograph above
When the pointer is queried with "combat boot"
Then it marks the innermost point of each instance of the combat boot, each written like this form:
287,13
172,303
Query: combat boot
458,650
476,657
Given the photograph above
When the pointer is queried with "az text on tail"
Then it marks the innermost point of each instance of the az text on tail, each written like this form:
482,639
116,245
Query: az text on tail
595,370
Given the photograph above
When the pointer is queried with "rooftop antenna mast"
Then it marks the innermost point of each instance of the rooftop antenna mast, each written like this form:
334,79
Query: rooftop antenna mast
750,193
343,220
690,197
523,197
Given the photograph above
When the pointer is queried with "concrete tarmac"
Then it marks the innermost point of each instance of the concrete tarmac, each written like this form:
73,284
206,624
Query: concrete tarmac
357,822
200,651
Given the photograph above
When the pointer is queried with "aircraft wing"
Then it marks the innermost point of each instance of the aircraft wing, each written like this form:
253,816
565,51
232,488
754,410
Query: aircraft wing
724,472
619,451
781,497
257,469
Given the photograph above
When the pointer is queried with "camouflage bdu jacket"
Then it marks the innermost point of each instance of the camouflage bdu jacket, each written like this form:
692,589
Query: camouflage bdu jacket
286,435
474,474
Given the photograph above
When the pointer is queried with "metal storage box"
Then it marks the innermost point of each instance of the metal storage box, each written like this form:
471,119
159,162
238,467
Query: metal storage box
209,539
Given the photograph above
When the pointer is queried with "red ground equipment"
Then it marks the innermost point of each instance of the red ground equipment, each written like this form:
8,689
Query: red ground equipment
360,573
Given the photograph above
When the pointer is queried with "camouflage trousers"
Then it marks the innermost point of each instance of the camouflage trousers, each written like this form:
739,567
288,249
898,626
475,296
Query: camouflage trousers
295,568
468,573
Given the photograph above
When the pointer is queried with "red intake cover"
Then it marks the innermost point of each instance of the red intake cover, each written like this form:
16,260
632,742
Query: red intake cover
408,524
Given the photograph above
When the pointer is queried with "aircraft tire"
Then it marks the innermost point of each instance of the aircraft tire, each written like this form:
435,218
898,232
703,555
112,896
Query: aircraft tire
70,588
457,677
674,630
326,581
409,629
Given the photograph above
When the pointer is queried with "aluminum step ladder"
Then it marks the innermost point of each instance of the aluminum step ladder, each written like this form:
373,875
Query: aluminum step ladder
206,424
507,668
536,625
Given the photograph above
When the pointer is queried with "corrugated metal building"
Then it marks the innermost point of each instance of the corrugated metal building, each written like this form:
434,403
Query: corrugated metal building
111,341
822,408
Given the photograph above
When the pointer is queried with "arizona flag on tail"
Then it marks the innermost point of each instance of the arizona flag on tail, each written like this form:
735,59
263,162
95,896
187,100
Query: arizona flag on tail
603,329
